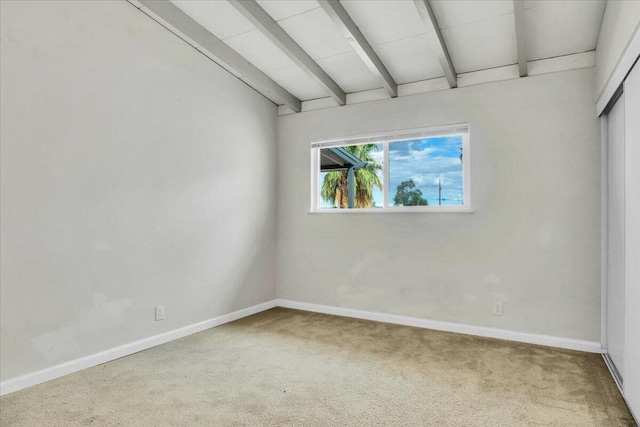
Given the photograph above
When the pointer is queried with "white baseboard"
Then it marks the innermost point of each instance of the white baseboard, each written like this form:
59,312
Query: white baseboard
547,340
76,365
72,366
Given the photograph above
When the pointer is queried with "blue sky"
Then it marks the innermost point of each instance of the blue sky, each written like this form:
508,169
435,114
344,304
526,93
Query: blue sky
425,161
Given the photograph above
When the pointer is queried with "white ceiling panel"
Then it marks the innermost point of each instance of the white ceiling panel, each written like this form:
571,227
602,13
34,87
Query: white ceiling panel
349,72
219,17
385,20
484,44
479,34
563,27
297,83
460,12
316,33
410,60
258,49
281,9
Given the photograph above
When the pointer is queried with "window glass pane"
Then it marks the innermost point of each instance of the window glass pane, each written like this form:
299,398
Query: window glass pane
426,171
365,161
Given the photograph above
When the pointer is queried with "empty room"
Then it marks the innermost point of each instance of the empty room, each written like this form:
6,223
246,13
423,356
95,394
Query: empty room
320,213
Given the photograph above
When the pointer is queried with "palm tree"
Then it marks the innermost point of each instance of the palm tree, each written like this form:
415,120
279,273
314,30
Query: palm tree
335,188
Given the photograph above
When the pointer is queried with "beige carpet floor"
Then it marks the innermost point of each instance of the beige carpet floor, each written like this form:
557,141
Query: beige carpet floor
287,367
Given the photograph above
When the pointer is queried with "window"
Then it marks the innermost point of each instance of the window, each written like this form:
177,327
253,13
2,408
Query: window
420,170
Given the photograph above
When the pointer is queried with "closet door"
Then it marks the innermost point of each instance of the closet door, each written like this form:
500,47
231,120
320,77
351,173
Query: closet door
632,251
616,235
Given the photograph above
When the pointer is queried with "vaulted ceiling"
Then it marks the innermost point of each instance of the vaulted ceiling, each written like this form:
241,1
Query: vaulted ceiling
296,51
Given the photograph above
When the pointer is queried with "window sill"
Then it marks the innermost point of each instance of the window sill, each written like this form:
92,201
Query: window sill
429,210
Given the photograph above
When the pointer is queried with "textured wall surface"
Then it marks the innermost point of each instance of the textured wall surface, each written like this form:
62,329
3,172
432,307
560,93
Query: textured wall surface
621,19
533,241
135,172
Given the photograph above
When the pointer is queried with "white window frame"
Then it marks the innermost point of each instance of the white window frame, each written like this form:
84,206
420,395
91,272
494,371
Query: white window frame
385,138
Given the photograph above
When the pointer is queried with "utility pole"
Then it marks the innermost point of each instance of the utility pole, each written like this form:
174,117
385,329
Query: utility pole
440,192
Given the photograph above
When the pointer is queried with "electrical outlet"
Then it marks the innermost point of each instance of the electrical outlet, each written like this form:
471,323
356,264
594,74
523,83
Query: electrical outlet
159,312
497,307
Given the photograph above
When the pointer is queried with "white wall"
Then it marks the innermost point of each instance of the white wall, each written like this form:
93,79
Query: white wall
135,172
534,240
621,19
